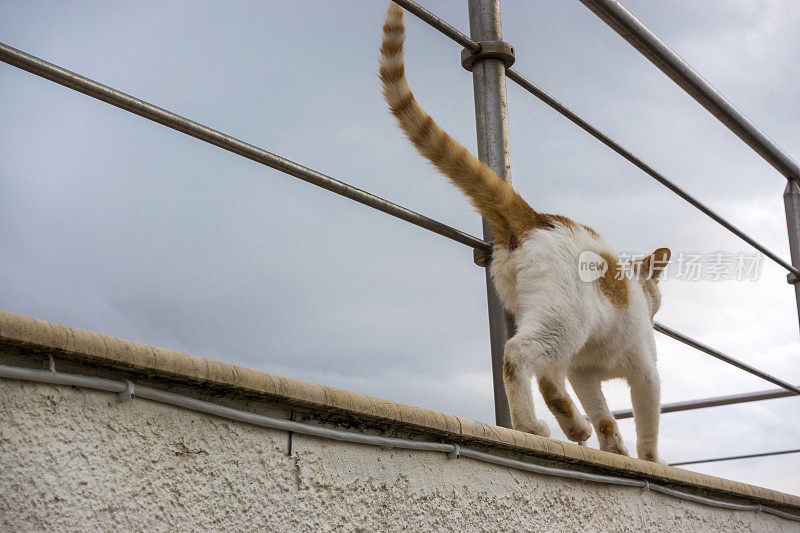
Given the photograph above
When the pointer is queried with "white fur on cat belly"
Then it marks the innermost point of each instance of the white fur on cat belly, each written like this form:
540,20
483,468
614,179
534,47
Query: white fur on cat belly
568,329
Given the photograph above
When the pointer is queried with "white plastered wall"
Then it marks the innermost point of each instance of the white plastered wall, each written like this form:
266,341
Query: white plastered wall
75,459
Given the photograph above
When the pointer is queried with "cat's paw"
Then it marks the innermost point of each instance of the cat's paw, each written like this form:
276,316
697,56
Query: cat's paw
609,437
614,446
652,456
537,427
578,429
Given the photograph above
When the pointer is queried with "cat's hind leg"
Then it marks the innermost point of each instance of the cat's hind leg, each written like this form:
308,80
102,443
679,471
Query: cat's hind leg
517,374
540,347
574,425
587,386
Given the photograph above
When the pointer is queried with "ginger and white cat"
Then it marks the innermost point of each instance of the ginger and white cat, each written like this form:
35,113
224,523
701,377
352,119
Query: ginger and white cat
566,328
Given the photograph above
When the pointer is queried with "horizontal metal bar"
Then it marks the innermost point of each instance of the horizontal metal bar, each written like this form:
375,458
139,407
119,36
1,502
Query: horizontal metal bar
426,16
64,77
637,34
573,117
733,457
661,328
519,79
714,402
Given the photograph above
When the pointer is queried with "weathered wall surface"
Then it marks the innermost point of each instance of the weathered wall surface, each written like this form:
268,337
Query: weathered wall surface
75,459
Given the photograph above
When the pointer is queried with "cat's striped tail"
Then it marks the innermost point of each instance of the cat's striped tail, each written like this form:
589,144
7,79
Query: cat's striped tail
496,200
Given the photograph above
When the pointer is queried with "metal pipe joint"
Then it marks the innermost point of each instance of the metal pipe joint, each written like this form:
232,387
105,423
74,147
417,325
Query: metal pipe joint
482,258
488,50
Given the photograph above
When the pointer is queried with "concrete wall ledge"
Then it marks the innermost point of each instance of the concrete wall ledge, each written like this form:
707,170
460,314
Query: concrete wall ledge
27,341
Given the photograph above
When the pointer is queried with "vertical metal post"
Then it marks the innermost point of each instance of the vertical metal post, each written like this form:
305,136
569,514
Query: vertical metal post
489,83
791,202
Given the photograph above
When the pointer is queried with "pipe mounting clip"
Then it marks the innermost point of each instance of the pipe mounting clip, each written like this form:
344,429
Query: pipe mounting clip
488,50
481,258
456,453
127,395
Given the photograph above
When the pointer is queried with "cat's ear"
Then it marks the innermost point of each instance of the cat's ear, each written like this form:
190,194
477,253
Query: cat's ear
653,265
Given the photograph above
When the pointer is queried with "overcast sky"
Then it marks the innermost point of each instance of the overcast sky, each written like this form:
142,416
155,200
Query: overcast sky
119,225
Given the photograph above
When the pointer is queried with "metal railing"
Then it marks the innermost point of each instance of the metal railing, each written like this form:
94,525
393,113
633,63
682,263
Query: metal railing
714,402
489,75
735,457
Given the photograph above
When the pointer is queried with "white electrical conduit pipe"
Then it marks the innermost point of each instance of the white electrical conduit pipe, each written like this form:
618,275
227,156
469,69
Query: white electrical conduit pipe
127,390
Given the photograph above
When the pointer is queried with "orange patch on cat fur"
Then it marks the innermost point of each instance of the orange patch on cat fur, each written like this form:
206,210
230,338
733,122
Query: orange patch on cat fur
614,286
558,405
519,217
509,370
607,427
592,232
